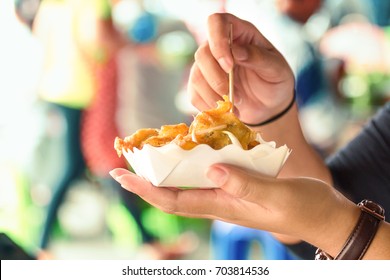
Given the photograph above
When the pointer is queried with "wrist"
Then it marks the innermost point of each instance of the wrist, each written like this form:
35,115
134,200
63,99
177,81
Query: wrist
362,235
287,130
338,226
277,116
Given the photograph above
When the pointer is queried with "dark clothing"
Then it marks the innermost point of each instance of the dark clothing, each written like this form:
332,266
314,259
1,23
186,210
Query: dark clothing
361,170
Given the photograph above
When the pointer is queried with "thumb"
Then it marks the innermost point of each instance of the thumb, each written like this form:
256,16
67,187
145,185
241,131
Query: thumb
240,183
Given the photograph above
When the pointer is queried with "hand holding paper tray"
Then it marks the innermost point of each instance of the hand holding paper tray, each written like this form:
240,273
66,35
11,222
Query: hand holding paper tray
170,165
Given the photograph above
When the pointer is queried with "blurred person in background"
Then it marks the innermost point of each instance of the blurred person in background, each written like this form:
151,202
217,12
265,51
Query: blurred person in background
67,87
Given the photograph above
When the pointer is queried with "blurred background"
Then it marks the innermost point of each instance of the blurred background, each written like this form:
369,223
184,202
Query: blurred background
76,74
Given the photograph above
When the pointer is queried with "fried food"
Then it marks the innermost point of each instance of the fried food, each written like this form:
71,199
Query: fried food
215,127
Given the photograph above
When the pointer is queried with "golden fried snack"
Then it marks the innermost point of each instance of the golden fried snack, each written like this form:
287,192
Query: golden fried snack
166,134
211,127
134,140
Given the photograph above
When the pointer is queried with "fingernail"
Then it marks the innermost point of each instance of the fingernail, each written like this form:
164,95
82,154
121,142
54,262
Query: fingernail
217,175
225,64
237,99
240,53
113,174
119,179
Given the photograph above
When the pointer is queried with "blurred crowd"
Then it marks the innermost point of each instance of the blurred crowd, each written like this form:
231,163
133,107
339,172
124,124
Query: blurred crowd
76,74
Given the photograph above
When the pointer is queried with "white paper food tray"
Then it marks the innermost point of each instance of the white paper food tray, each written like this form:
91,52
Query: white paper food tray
170,165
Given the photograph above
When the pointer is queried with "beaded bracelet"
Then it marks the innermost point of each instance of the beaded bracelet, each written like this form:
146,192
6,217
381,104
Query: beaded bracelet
279,115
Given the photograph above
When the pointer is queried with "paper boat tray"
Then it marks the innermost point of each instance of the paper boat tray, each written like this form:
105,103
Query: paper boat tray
170,165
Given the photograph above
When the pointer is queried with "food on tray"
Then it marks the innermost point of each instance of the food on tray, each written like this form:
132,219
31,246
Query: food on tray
217,128
165,156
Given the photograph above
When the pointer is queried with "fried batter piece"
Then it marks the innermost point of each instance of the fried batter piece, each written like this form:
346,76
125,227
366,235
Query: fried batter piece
167,134
135,140
151,136
208,127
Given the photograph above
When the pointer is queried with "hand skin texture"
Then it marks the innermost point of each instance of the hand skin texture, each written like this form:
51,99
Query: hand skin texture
305,208
264,86
264,82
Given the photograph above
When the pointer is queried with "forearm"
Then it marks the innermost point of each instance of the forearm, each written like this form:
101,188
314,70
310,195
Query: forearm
304,161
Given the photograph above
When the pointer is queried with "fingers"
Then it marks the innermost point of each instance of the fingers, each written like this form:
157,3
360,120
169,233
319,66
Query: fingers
240,199
260,66
211,70
208,82
243,33
117,172
211,204
218,34
161,198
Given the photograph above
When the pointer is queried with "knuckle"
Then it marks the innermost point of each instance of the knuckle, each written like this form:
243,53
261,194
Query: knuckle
196,76
219,85
213,18
217,18
195,98
201,51
169,209
245,189
220,48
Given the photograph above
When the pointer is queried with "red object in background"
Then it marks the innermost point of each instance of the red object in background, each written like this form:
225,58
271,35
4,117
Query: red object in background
98,125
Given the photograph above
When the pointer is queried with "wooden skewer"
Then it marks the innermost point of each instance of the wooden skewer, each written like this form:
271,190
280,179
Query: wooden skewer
231,73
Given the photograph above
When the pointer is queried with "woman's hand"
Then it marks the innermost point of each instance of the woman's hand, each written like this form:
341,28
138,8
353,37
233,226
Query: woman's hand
264,86
305,208
264,82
